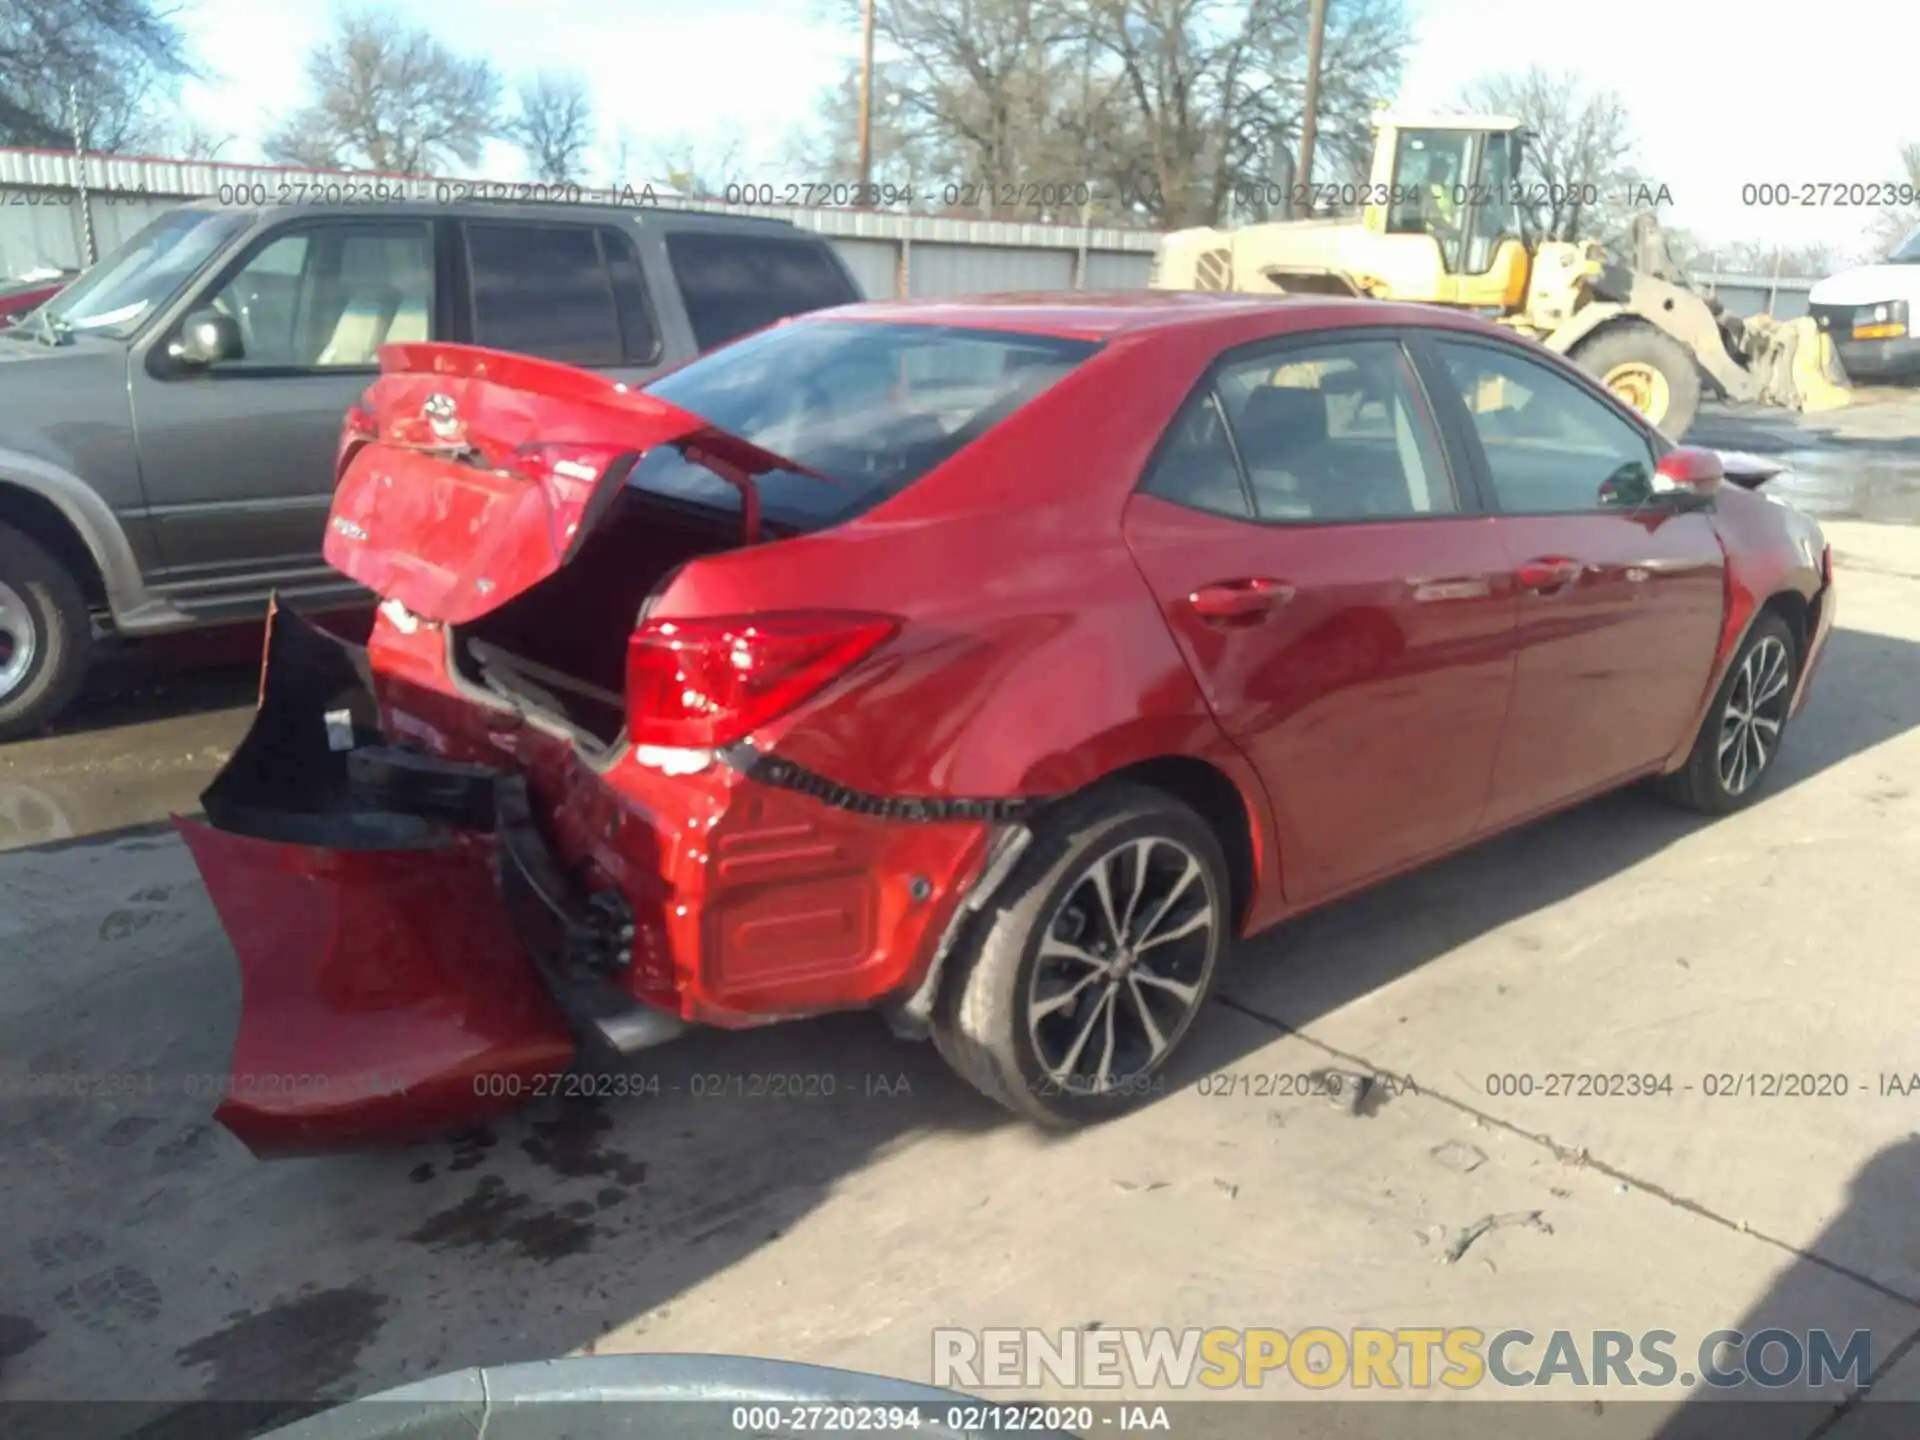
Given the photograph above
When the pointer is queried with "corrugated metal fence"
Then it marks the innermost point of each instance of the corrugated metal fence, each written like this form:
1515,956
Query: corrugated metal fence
43,221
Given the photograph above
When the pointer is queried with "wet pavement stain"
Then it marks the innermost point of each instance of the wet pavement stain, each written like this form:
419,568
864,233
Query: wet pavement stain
470,1149
570,1146
18,1335
302,1346
186,1145
494,1215
127,1130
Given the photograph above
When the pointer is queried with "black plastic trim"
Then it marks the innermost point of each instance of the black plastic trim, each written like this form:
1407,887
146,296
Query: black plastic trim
785,775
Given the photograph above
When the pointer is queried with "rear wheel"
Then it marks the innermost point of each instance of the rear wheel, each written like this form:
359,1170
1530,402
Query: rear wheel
1077,987
1647,369
44,635
1741,735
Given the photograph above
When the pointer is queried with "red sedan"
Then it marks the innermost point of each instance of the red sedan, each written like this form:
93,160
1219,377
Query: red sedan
994,664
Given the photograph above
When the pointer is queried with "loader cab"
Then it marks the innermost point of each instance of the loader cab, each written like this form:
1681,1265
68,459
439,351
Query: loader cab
1449,184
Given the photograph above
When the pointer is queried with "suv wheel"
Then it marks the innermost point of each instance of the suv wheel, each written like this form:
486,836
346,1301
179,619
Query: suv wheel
44,635
1081,982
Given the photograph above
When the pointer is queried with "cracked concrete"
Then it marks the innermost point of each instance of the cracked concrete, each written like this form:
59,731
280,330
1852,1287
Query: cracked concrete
151,1257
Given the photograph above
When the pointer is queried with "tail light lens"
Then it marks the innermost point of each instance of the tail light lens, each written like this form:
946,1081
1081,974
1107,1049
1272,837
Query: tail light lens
702,684
356,430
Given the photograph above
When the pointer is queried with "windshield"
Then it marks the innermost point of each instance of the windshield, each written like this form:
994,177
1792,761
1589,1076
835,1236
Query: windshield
1907,252
118,294
870,407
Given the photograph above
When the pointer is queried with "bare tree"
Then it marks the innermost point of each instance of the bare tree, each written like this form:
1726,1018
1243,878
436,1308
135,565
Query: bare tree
389,98
1897,222
1580,177
1163,111
1763,258
700,172
554,127
118,54
194,141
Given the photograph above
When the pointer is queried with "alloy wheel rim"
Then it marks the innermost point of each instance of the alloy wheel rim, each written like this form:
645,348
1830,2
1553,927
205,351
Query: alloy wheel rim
1756,709
1122,964
19,641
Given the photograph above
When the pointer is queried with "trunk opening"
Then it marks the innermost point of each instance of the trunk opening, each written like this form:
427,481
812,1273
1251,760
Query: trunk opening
560,649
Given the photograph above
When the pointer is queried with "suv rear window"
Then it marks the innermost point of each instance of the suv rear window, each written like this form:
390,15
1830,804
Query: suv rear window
869,407
736,284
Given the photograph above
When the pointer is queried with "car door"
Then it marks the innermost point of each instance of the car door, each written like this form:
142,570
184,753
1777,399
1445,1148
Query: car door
1621,593
561,290
237,457
1344,611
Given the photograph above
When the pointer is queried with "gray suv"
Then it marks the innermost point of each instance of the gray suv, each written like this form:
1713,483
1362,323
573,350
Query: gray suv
169,422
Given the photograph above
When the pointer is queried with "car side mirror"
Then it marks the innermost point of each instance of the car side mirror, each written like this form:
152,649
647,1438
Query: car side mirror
1689,470
207,338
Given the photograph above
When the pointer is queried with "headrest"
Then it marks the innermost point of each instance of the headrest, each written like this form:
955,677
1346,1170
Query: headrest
1279,418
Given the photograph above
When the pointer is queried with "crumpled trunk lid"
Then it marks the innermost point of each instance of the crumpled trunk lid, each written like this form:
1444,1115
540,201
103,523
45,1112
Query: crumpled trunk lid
467,476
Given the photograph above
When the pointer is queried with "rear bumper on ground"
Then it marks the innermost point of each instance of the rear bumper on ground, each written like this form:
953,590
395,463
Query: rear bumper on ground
424,931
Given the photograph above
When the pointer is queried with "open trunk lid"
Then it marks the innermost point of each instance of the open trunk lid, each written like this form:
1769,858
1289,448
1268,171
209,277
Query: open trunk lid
1747,471
467,476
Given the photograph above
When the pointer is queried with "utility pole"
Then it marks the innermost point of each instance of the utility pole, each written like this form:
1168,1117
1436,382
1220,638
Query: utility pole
866,94
1309,123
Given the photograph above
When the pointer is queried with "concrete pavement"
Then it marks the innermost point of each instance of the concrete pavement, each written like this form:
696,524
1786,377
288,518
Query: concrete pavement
150,1257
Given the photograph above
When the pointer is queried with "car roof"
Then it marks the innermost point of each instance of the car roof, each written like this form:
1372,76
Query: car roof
646,214
1108,315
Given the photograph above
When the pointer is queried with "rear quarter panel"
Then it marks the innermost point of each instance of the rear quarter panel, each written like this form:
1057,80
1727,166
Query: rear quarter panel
1032,659
1771,550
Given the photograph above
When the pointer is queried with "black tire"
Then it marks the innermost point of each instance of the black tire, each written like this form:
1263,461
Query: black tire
982,1025
1702,783
35,589
1637,343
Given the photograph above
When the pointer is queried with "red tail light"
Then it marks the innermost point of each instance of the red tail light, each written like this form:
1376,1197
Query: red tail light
357,429
701,684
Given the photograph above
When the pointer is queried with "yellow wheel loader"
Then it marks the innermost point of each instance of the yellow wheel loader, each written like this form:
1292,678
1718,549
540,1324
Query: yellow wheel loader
1441,221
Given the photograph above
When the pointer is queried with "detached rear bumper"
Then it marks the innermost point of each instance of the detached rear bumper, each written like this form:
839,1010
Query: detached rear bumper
421,940
412,956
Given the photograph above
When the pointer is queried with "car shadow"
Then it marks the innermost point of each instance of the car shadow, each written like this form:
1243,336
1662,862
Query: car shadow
1866,1250
295,1281
1866,692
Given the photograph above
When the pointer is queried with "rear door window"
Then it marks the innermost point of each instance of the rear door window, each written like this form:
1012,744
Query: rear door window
560,292
864,409
736,284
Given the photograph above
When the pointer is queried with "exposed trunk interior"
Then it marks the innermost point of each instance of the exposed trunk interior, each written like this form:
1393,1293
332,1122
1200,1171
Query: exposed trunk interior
561,648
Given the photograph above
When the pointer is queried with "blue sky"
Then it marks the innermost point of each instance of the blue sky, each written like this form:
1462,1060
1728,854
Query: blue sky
749,72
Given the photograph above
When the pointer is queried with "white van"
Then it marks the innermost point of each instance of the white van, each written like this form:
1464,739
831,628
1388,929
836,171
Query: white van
1870,312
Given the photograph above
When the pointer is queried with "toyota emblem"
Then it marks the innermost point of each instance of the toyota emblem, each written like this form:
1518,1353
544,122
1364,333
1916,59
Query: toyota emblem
442,417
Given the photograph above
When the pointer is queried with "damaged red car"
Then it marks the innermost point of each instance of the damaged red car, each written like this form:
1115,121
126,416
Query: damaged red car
991,664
